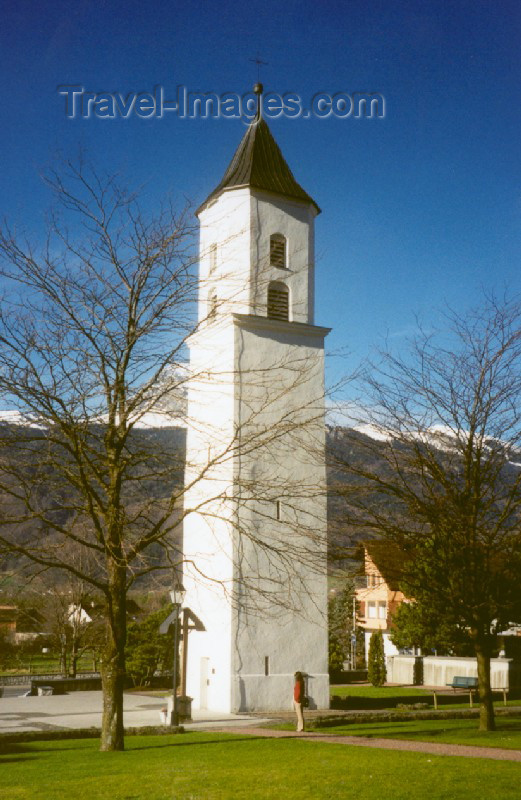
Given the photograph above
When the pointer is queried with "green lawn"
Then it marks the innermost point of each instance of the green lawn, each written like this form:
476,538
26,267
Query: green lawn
457,731
47,664
215,767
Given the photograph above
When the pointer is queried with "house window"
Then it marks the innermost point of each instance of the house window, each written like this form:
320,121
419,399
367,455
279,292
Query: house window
382,610
278,251
278,301
371,610
213,257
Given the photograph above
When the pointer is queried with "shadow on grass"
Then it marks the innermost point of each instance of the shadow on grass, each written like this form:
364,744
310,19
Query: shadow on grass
232,740
11,752
357,702
31,748
20,759
360,703
408,734
345,730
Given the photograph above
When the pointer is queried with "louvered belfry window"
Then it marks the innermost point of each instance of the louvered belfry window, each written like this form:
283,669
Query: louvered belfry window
278,251
278,301
213,257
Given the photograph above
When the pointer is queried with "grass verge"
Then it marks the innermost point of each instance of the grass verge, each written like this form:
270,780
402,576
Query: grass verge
220,766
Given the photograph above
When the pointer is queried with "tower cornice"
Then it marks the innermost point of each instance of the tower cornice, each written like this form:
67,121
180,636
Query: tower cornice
255,322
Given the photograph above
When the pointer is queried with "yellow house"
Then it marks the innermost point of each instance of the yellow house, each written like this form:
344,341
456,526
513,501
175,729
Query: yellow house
378,595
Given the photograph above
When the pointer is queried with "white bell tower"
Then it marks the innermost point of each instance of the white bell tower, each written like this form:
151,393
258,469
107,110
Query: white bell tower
255,531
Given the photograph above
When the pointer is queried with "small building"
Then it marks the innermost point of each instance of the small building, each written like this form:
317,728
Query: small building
378,595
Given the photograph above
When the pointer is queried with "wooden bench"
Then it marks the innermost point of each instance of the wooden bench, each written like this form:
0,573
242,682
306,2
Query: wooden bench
504,690
468,684
461,682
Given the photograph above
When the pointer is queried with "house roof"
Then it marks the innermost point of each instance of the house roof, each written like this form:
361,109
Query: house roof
258,163
388,559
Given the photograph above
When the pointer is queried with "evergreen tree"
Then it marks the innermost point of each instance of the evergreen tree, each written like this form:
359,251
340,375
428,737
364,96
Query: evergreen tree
418,624
340,617
147,650
376,671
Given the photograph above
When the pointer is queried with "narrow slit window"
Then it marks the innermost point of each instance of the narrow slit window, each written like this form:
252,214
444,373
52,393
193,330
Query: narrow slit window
278,301
213,257
278,251
266,665
278,510
212,306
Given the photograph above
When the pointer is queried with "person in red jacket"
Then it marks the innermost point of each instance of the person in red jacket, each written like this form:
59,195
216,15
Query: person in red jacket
298,699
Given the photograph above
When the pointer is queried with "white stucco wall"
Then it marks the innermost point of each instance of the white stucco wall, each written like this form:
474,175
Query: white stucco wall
226,224
440,670
248,376
271,214
281,368
400,669
239,224
208,504
389,648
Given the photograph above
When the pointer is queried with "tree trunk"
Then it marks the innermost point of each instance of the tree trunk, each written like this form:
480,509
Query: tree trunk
486,707
63,660
113,664
73,668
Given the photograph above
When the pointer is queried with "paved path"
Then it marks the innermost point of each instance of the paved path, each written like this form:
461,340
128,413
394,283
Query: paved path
83,710
434,748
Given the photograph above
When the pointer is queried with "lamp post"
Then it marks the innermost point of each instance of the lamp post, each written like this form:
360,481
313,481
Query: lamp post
177,595
353,637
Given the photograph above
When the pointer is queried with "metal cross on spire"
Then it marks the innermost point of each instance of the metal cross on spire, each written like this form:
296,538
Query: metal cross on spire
257,60
258,88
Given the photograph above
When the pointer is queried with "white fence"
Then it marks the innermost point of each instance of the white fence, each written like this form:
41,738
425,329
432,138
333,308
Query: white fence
440,670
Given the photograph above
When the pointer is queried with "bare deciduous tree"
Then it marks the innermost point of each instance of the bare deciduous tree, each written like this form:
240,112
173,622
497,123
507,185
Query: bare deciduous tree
64,613
441,475
93,332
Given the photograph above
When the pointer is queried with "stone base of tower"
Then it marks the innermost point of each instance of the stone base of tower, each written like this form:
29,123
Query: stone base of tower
275,692
247,664
256,693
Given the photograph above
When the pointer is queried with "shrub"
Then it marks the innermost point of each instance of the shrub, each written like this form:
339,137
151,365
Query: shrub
147,650
376,672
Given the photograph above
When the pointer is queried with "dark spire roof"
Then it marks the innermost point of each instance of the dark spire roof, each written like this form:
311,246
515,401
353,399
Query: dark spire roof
259,163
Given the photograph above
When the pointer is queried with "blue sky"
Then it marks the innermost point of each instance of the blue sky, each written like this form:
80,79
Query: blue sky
419,209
